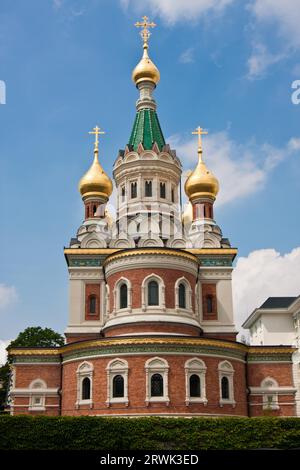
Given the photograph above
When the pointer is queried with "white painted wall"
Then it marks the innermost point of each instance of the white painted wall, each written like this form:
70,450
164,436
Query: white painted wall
273,329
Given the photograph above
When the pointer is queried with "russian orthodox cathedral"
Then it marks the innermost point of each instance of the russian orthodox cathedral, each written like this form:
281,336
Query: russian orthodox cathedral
151,327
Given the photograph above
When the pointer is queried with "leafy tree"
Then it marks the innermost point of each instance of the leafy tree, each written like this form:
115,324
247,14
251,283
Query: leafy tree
36,336
31,337
4,381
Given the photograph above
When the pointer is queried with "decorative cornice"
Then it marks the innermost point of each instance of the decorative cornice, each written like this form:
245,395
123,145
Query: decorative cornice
212,251
154,345
127,341
151,251
90,251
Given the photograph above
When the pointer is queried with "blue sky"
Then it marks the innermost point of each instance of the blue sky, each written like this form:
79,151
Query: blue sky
225,64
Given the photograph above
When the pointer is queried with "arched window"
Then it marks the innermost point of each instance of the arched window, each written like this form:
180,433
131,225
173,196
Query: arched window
209,303
226,383
195,381
133,190
148,188
94,210
157,385
163,190
195,386
153,295
123,296
118,386
86,389
92,304
225,388
182,296
87,212
84,383
157,370
117,381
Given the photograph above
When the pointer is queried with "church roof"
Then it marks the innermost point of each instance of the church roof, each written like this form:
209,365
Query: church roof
146,130
278,302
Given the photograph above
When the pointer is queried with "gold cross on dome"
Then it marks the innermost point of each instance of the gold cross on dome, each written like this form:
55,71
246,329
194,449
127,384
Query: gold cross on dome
96,132
200,132
145,33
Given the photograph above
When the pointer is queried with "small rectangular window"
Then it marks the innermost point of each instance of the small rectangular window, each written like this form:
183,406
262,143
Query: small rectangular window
133,190
163,190
148,188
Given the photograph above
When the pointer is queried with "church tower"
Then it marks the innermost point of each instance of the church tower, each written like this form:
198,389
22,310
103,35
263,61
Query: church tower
147,173
144,273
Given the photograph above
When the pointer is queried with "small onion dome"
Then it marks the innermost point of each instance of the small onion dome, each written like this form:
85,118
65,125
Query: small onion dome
145,70
201,182
95,182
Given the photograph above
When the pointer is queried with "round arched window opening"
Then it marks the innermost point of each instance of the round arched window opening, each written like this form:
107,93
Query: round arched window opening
157,385
86,389
195,386
153,293
118,386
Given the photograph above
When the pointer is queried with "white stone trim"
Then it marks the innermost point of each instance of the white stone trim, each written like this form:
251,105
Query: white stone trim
115,367
117,308
188,295
157,365
37,390
226,369
195,366
161,293
156,315
152,261
84,370
269,391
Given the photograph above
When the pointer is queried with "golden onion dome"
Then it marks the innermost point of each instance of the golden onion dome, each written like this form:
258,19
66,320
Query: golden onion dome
201,182
95,182
145,70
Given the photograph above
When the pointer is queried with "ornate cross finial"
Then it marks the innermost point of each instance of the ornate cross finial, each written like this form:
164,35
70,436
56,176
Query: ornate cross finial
200,132
96,132
145,33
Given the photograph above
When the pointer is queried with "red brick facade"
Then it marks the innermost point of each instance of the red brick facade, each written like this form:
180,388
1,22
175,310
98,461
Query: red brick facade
136,277
245,377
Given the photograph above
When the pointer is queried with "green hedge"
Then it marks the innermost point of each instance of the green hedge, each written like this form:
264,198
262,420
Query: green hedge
96,433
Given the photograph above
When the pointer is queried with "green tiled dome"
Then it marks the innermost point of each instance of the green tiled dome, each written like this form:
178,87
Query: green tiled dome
146,130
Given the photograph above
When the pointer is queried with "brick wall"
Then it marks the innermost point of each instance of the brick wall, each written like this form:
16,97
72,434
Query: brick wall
137,388
136,277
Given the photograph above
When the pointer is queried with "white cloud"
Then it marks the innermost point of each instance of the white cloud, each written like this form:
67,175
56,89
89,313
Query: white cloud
172,11
242,168
8,295
260,60
262,274
187,56
283,13
57,3
284,18
3,353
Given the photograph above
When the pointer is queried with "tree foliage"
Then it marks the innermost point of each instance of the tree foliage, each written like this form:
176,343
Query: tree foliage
35,336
